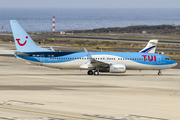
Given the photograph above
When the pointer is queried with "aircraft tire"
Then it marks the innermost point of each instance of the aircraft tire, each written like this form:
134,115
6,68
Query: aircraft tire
90,72
159,73
96,72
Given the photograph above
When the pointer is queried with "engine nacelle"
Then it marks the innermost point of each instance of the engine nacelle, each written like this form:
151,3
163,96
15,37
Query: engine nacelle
118,68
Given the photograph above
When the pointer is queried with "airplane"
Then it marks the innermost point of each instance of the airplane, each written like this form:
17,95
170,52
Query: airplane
94,62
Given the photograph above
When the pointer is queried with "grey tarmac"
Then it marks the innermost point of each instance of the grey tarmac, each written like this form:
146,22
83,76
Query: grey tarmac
30,92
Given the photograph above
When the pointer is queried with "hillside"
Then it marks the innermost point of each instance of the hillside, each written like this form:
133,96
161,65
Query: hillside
159,29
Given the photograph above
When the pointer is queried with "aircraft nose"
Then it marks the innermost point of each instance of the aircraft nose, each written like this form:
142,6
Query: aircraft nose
174,63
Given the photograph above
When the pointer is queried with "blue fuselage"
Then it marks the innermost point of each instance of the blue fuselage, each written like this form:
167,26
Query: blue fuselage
73,60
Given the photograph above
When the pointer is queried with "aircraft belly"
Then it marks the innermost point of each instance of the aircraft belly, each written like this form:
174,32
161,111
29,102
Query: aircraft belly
131,65
65,65
75,64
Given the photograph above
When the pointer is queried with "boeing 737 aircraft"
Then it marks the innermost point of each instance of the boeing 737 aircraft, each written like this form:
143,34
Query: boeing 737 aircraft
94,62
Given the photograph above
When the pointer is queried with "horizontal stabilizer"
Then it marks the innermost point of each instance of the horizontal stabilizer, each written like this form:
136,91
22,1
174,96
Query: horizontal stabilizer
8,52
21,54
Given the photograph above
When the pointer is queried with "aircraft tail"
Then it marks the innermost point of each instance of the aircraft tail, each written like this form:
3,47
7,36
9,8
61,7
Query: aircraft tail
150,47
23,41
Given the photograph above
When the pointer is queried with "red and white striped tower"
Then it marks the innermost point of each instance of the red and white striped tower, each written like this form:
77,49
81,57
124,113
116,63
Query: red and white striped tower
2,29
53,25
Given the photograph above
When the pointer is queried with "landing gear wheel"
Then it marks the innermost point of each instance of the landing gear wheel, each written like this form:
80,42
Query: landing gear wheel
90,72
96,72
159,73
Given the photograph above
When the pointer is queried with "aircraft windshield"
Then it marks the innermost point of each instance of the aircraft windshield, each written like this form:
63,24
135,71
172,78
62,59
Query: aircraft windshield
167,58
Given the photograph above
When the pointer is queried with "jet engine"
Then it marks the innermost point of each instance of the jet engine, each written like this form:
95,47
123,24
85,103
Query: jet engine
118,68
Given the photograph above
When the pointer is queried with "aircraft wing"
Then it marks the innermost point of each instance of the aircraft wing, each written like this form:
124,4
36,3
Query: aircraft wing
92,63
98,64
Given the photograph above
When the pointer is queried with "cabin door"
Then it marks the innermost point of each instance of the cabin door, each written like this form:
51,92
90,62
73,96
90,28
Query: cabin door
158,59
42,58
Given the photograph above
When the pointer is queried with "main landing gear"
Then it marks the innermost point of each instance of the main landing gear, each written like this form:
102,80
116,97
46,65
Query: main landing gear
90,72
159,73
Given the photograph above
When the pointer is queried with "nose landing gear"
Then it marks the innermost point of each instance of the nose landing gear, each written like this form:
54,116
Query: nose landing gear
159,73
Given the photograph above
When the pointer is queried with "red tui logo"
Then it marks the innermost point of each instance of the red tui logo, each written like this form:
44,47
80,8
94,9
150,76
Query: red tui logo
22,44
150,58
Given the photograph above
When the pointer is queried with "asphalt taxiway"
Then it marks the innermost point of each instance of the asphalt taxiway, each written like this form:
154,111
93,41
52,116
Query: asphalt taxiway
30,92
165,41
107,38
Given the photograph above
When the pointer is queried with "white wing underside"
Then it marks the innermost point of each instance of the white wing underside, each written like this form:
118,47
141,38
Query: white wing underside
93,63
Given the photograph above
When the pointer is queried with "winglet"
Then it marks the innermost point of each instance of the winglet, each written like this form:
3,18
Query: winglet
52,49
88,55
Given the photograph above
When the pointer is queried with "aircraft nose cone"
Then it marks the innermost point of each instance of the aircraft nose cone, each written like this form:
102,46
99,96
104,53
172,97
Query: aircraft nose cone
174,64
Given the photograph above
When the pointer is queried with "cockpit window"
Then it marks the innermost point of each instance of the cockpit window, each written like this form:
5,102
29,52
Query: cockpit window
167,58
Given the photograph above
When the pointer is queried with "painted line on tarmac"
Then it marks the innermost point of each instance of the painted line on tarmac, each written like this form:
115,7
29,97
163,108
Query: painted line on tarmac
174,93
30,111
148,117
41,74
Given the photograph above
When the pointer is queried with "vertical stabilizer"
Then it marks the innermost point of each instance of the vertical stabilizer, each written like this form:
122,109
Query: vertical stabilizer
23,41
150,47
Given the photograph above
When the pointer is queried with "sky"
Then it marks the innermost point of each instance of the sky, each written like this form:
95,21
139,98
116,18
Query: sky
89,3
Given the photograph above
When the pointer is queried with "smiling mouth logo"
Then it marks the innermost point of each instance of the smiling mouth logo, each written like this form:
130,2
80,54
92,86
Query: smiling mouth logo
22,44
